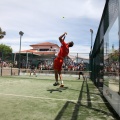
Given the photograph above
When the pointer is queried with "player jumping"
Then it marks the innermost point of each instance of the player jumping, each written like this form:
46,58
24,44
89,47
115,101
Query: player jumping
58,61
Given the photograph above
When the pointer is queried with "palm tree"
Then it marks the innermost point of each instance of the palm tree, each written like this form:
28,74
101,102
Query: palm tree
2,33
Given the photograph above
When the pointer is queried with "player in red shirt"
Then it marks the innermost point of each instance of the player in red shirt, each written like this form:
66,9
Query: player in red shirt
58,61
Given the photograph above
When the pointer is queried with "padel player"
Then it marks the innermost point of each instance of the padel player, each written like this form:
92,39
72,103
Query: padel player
33,70
58,61
81,69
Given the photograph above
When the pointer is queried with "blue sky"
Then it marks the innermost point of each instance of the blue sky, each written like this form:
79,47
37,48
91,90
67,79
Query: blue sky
42,21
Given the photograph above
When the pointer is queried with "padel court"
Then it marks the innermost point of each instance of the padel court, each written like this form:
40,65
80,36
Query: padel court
35,98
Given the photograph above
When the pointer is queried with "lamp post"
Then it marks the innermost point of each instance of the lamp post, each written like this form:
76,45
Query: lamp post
91,38
21,34
91,61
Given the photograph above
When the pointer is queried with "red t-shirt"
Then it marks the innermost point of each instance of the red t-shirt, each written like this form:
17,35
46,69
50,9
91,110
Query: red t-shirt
64,50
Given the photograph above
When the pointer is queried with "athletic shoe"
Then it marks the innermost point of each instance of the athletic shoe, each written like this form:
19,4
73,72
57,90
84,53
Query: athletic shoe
78,78
56,84
61,85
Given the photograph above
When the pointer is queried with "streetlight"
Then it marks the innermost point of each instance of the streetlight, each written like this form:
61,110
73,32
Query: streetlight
91,61
21,34
91,38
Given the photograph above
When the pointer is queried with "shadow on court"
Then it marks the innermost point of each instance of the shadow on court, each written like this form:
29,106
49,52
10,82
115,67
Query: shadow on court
77,110
60,89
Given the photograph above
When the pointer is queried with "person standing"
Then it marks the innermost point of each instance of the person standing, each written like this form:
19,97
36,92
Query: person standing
81,68
33,70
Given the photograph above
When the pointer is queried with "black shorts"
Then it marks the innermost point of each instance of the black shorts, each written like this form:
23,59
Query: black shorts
81,73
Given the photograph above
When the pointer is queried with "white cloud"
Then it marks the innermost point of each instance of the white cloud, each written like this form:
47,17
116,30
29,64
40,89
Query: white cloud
41,20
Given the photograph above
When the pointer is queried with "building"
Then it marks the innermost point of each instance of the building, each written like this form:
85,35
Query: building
41,53
44,53
45,48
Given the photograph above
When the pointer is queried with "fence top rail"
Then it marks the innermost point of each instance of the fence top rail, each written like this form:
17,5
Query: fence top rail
6,68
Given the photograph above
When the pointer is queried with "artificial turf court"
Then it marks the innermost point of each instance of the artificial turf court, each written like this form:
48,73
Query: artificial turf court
35,98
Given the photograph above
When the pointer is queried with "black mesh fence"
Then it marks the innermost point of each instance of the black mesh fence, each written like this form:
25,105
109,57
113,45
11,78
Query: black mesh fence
16,63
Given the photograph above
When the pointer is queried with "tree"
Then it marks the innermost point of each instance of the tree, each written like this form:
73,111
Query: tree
5,51
2,33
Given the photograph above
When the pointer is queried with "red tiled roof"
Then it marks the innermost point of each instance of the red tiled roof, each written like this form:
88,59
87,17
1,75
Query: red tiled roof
45,53
45,44
39,53
29,51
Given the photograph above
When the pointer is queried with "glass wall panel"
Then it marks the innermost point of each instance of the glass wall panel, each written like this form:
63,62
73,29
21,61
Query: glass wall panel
111,57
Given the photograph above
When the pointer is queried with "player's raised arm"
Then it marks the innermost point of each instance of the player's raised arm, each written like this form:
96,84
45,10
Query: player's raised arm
62,37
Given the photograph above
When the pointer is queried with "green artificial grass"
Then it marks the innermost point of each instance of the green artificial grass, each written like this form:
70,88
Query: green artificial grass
35,98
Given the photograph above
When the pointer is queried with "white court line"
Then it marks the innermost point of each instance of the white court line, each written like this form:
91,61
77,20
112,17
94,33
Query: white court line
35,97
9,82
